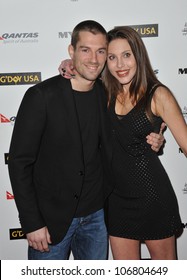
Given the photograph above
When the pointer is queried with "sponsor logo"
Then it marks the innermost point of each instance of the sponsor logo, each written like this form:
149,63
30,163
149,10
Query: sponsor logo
185,188
156,71
6,155
146,30
16,233
3,119
182,71
64,35
184,111
15,38
9,196
19,78
184,30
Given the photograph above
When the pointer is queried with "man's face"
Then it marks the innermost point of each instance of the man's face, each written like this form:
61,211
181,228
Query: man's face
89,56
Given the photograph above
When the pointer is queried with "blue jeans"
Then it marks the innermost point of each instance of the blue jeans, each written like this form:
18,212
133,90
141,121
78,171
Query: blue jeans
87,238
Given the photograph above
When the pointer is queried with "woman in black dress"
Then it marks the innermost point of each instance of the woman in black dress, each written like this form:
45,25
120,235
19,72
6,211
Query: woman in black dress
143,205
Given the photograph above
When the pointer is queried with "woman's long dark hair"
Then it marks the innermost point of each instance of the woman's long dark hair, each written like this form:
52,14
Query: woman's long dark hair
144,76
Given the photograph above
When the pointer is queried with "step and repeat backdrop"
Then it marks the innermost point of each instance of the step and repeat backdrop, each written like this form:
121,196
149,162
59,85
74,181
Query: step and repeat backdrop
34,36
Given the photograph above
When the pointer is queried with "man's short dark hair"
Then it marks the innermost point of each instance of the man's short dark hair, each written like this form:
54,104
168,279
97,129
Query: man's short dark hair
88,25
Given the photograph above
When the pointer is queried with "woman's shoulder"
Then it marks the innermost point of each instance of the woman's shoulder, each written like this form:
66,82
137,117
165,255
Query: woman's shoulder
162,93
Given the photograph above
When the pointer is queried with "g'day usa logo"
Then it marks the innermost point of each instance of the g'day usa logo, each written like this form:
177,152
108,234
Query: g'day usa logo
16,233
9,79
6,156
15,38
146,30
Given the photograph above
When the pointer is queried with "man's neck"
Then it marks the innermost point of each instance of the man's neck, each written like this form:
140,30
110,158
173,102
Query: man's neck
82,85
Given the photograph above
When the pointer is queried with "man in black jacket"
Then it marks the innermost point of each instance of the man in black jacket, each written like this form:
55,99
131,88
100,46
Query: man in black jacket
59,152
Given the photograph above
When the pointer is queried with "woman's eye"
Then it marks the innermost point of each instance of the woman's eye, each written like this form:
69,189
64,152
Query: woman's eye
127,54
110,57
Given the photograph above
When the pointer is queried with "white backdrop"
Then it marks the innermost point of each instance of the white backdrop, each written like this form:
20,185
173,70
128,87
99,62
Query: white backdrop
34,36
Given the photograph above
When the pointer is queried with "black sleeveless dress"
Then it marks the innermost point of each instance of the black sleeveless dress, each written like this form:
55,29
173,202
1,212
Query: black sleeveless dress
143,205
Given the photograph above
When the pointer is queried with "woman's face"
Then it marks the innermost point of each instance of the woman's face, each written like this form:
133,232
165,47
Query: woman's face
121,61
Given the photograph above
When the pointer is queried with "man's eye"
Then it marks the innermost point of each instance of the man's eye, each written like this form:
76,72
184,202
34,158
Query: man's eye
102,51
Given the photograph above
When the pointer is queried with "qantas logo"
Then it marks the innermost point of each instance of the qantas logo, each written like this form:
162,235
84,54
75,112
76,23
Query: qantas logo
9,196
3,119
16,38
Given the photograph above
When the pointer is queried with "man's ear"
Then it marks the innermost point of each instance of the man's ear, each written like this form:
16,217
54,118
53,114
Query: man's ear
71,51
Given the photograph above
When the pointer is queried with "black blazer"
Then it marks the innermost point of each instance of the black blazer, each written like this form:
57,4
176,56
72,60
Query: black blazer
46,165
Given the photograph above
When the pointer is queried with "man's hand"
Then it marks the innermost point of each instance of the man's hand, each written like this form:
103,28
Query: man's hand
39,239
66,69
156,140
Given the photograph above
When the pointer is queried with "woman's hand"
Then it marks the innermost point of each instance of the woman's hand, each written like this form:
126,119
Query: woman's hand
66,69
156,140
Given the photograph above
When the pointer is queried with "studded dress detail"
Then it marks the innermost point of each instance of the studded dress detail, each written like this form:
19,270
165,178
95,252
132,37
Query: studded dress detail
143,205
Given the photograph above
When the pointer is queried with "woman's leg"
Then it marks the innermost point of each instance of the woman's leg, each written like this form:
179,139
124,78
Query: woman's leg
163,249
125,249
